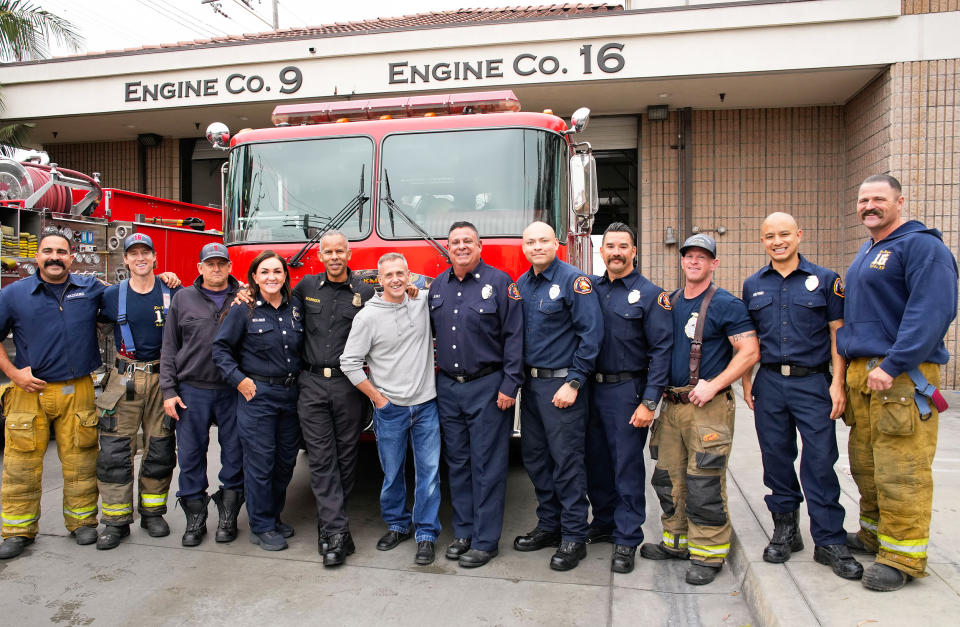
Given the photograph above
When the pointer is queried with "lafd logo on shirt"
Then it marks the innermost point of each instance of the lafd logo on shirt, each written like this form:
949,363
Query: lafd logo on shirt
513,292
691,328
880,261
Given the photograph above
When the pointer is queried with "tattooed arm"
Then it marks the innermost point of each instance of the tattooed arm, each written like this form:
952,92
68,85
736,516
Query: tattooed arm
746,353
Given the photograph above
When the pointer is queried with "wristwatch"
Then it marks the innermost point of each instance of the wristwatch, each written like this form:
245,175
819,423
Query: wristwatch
574,383
649,404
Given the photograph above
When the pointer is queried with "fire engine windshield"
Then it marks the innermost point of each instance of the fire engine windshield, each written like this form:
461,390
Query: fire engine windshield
286,191
498,179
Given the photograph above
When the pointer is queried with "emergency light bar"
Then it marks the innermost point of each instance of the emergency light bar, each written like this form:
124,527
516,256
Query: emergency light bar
388,108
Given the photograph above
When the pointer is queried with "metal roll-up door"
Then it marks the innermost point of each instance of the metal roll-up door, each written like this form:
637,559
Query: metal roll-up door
616,132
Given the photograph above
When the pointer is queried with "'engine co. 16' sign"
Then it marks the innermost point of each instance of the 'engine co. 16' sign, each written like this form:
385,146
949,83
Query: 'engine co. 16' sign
606,58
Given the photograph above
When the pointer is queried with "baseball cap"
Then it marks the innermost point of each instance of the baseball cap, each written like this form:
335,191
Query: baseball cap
700,240
212,250
137,238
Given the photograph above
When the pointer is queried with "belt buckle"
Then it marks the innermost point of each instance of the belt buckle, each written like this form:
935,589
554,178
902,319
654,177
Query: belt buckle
533,373
327,372
599,377
289,380
785,370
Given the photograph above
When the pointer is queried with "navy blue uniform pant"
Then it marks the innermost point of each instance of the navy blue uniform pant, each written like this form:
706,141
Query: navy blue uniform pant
206,407
476,447
615,472
270,435
783,406
552,446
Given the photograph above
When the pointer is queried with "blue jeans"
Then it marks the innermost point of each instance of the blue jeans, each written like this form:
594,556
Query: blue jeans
394,425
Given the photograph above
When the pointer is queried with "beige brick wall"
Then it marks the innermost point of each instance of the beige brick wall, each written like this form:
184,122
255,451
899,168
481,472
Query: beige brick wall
909,7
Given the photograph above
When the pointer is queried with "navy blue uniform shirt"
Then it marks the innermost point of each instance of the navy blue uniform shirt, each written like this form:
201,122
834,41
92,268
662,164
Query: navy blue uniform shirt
726,316
563,324
329,308
478,323
637,330
54,330
901,298
265,342
792,314
144,315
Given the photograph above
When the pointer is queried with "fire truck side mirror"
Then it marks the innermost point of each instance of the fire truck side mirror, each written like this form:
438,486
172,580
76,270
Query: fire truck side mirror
218,135
579,119
584,195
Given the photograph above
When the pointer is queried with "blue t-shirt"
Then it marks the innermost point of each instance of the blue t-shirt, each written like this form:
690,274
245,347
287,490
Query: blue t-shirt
726,316
216,296
144,315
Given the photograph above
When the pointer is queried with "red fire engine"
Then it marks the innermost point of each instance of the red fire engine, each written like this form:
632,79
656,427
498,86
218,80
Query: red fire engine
393,174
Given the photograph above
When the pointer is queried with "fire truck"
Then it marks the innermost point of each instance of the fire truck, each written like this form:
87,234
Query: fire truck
393,174
37,198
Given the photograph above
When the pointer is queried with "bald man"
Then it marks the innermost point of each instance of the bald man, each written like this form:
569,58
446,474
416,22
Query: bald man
562,332
797,308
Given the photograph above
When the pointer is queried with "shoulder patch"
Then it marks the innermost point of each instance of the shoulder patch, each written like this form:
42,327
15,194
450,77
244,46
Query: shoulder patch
664,301
582,285
513,291
838,287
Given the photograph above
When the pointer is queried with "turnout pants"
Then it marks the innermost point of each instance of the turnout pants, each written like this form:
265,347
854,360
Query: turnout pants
891,450
476,447
692,445
552,447
204,408
120,420
615,470
66,407
783,406
332,412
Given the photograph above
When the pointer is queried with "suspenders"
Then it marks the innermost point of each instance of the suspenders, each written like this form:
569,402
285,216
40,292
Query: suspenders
696,345
126,335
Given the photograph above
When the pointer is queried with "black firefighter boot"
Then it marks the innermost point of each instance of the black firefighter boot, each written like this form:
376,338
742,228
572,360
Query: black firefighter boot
228,503
196,512
786,537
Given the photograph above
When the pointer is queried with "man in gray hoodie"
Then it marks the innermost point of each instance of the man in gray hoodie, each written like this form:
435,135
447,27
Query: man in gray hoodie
392,333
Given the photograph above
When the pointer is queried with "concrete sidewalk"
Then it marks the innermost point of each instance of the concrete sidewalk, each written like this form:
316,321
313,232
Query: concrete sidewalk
802,592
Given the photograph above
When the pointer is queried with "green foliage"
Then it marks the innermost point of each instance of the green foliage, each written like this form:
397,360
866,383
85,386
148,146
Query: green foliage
26,30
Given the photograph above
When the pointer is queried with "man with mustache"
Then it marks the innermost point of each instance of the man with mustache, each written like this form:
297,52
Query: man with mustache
797,307
901,297
53,316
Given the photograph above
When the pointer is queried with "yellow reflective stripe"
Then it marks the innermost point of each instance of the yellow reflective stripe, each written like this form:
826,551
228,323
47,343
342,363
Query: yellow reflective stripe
80,513
153,499
716,550
910,548
868,524
671,540
19,520
111,509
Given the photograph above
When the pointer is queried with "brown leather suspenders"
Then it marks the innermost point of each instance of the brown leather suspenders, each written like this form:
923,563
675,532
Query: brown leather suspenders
696,345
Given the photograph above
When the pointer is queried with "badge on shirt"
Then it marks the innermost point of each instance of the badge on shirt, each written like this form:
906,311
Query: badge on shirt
811,283
357,301
664,301
690,329
486,291
295,312
582,285
513,291
838,287
633,296
554,291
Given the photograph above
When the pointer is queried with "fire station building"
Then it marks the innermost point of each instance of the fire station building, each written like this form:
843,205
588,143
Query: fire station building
706,115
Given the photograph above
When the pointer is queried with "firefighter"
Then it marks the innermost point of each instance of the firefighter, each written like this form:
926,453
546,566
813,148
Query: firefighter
714,345
53,317
797,308
257,350
901,297
196,396
632,370
331,409
563,329
132,400
477,319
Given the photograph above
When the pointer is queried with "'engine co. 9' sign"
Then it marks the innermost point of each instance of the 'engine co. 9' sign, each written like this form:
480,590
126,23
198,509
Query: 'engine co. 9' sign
288,81
605,59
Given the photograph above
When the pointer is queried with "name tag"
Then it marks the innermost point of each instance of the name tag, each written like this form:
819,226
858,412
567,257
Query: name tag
73,295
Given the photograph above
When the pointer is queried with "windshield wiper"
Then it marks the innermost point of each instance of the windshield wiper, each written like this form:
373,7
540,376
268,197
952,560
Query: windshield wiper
354,205
395,208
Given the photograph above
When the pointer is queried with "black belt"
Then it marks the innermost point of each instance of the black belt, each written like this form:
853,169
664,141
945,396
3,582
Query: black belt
789,370
328,372
546,373
463,378
150,367
286,381
684,397
617,377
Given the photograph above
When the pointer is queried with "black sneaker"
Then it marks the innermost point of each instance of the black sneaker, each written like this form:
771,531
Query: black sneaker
425,552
